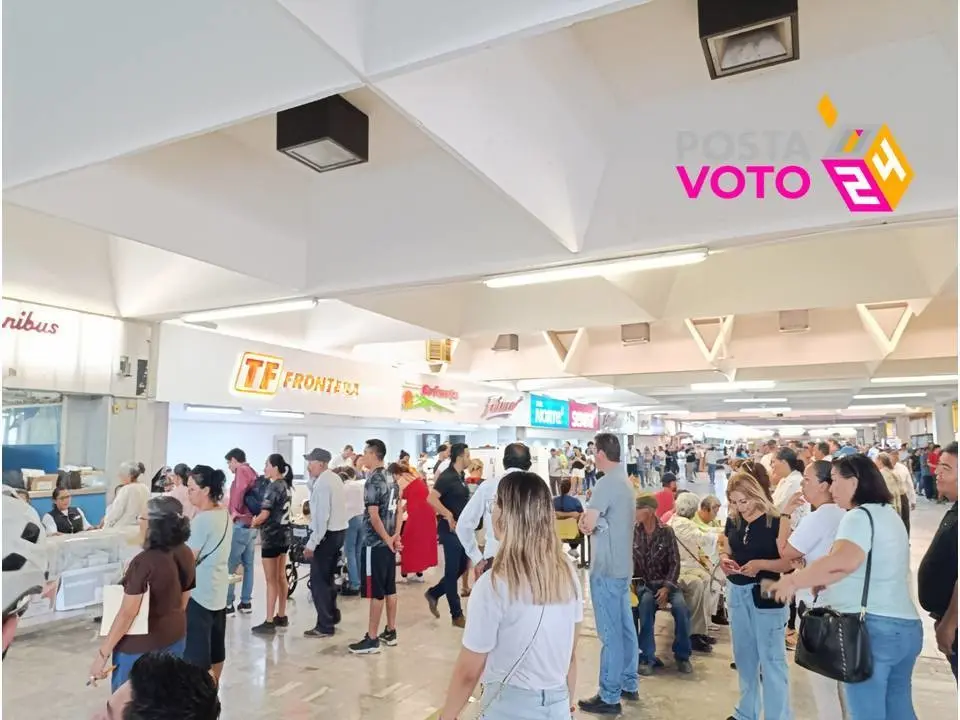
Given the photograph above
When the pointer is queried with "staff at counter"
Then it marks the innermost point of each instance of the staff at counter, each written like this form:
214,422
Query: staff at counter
63,519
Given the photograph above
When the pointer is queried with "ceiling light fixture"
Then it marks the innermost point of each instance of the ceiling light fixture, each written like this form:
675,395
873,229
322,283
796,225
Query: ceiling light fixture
890,396
597,269
213,409
324,135
742,35
765,410
242,311
887,406
755,400
718,387
281,414
931,379
413,422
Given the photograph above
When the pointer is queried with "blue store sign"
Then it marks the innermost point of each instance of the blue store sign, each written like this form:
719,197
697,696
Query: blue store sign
546,412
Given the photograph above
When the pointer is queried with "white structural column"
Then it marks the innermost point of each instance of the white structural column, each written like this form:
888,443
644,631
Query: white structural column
943,432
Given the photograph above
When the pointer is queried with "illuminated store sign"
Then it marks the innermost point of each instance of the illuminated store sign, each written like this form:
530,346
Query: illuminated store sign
547,412
259,374
498,407
584,417
428,397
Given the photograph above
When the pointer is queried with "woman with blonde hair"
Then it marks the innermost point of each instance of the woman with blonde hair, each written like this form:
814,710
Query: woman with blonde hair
749,555
525,615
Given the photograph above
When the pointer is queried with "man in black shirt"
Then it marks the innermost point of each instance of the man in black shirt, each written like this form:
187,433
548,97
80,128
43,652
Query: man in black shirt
937,576
449,497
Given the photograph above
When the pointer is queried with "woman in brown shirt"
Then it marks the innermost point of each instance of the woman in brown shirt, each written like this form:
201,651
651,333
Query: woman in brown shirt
166,568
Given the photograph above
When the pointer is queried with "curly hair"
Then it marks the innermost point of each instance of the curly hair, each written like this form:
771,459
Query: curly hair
164,686
166,526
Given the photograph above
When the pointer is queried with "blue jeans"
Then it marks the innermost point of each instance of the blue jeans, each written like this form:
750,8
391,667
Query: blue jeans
711,471
758,647
242,550
351,548
124,661
647,615
887,695
508,702
618,637
454,565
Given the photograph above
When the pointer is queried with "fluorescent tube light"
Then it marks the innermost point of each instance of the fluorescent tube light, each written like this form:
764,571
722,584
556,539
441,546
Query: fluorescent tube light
711,387
413,422
755,400
242,311
932,379
213,409
281,414
889,396
888,406
765,410
597,269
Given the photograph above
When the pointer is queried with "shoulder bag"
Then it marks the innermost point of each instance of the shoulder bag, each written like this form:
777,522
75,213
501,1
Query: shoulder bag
837,645
216,547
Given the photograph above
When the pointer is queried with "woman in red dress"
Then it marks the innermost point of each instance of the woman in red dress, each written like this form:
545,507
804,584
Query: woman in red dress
419,533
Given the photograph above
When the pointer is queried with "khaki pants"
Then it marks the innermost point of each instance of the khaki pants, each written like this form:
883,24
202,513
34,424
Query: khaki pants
697,597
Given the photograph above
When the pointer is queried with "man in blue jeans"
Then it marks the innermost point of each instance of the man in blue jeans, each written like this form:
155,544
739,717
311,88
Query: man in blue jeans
244,536
656,573
608,519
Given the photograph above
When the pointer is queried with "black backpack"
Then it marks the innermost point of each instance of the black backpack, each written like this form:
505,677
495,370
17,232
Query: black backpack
253,498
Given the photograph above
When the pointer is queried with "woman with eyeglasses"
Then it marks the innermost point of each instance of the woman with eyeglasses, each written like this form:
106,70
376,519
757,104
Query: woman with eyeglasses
64,519
525,615
810,541
748,556
166,568
892,621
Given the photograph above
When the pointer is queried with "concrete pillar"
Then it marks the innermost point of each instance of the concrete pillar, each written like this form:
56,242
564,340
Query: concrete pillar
943,432
902,426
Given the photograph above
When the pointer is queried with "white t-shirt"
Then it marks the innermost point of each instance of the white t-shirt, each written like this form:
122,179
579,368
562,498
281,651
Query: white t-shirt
814,537
786,489
503,628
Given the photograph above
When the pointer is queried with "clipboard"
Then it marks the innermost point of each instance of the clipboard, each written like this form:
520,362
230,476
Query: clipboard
112,599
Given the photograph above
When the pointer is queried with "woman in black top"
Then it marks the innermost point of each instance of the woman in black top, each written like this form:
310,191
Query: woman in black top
748,556
274,524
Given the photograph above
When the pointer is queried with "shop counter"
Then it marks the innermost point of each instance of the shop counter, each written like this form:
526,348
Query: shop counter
91,500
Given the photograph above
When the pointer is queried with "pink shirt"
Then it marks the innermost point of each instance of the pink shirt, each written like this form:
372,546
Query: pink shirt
180,493
664,502
243,479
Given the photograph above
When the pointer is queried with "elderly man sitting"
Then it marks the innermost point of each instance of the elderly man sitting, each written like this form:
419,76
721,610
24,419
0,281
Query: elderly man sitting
696,546
656,570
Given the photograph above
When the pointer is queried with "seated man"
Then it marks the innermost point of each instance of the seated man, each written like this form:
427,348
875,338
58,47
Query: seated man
566,506
656,572
695,582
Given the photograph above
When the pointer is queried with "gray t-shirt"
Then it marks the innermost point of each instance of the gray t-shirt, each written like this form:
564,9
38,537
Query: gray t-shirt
611,546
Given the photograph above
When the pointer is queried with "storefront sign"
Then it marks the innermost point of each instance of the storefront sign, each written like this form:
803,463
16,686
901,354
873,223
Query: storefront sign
431,398
498,407
26,323
584,417
259,374
618,421
546,412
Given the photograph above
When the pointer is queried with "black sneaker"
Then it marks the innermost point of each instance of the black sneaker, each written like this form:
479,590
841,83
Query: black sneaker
317,633
597,706
367,646
631,696
432,604
264,628
337,616
389,637
245,608
231,610
281,621
700,645
349,592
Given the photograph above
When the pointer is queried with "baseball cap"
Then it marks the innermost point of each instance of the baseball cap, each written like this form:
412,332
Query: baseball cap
318,455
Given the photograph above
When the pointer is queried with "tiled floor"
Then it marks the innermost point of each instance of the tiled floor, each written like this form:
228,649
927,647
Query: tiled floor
292,677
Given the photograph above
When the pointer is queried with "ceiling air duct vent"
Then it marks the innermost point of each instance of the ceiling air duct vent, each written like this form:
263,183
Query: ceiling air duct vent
325,134
439,351
794,321
742,35
635,334
506,343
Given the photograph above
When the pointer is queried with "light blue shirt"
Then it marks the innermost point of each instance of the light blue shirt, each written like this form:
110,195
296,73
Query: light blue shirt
611,545
211,534
889,592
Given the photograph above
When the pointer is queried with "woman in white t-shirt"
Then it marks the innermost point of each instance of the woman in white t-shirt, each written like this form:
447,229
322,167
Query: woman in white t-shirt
810,541
525,615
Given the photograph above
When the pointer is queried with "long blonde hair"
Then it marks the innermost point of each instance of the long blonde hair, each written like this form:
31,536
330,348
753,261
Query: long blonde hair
530,559
749,486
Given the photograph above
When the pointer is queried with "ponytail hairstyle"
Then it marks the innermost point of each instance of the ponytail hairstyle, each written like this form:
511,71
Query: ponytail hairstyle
276,459
206,477
182,471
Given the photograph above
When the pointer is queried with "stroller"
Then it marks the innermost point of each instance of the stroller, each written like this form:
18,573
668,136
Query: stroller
300,534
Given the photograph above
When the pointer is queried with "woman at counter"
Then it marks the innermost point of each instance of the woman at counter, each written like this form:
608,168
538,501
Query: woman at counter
166,568
177,488
130,501
63,519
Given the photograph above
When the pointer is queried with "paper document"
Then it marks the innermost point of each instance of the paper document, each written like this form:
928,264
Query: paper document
112,599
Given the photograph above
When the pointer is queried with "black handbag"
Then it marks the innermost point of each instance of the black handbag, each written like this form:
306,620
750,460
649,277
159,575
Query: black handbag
837,645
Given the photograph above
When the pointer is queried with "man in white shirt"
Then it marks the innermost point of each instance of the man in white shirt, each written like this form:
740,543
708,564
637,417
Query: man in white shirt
344,459
353,543
516,458
328,525
443,460
770,451
554,471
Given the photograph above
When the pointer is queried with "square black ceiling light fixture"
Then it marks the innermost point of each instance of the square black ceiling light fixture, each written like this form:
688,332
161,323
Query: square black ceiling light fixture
742,35
325,134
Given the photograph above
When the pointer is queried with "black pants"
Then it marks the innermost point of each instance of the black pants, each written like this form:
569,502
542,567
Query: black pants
454,565
323,569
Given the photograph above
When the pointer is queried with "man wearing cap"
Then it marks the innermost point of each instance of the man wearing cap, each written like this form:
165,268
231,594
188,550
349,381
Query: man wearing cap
328,526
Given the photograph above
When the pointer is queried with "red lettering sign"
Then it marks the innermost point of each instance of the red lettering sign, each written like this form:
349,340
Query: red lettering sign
26,323
497,407
584,417
439,392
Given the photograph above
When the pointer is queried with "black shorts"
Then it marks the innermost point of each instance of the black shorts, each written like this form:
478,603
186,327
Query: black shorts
273,551
205,635
378,572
